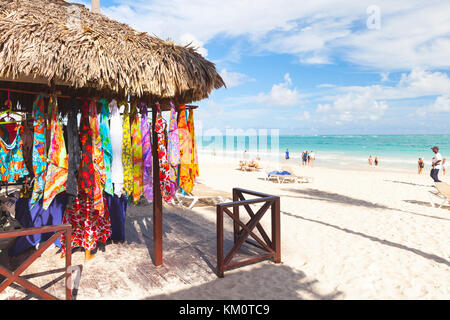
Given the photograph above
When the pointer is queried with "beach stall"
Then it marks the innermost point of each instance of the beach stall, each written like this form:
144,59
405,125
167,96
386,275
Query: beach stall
63,66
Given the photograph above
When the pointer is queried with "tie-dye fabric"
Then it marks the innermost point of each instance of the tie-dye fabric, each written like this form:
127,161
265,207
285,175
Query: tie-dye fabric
138,184
105,136
99,163
39,151
185,179
146,155
127,154
58,161
166,172
194,155
86,177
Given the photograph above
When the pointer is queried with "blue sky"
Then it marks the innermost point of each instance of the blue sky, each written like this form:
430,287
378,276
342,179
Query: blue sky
315,67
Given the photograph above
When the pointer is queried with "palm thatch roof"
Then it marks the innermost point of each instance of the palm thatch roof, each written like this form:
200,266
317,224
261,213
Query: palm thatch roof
58,41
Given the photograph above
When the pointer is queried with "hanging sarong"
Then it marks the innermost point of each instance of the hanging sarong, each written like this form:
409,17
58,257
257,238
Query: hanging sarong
105,137
88,226
136,146
117,144
74,150
146,155
194,155
185,179
99,163
86,174
39,151
166,175
57,162
173,147
127,154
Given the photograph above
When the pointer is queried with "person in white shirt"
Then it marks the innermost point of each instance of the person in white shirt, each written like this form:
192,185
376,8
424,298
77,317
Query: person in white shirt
436,164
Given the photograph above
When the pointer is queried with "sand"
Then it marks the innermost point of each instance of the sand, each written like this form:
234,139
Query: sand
350,234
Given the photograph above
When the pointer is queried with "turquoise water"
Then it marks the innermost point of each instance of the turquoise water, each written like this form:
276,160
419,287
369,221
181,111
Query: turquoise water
392,150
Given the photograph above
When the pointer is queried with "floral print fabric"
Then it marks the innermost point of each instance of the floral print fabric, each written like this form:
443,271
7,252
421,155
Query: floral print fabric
86,172
99,164
166,172
194,155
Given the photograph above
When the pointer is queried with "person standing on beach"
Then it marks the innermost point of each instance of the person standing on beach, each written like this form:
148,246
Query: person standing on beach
370,160
444,166
436,164
305,157
420,165
312,157
287,154
376,161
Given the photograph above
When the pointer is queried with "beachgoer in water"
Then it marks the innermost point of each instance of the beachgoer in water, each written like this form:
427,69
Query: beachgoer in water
420,165
376,161
370,160
436,164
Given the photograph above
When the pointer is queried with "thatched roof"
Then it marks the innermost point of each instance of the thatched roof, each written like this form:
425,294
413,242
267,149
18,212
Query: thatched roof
67,43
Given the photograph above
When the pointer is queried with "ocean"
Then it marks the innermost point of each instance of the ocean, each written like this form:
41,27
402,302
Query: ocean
395,151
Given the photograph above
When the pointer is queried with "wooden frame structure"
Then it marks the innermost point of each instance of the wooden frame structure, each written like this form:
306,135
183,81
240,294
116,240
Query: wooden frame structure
242,232
14,276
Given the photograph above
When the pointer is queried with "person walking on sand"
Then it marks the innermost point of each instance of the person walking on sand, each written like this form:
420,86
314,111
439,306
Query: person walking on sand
420,165
444,166
287,154
305,157
436,164
370,160
376,161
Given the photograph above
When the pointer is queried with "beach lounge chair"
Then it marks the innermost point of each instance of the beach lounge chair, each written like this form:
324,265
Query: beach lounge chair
201,194
443,192
296,178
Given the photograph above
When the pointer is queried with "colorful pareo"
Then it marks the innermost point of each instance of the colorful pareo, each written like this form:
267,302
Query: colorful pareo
166,172
105,137
127,154
39,151
185,179
86,177
88,226
12,164
194,155
138,183
99,164
146,156
57,161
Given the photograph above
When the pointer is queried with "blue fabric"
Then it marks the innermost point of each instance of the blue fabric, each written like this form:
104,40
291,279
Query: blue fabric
283,173
117,208
37,217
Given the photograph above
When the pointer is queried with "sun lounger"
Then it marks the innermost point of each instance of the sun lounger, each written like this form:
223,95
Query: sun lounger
201,194
443,192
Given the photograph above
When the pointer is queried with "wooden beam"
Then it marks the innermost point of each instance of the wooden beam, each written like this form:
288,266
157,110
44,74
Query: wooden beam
157,200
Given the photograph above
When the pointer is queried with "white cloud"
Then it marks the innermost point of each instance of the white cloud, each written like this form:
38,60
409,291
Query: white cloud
384,76
353,107
413,33
281,94
234,79
302,116
441,104
190,39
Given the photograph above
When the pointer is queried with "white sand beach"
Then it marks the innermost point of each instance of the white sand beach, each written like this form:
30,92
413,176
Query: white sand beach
350,234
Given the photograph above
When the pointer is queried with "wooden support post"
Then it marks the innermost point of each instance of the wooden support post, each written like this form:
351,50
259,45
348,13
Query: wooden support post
157,200
220,263
68,262
236,228
276,230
